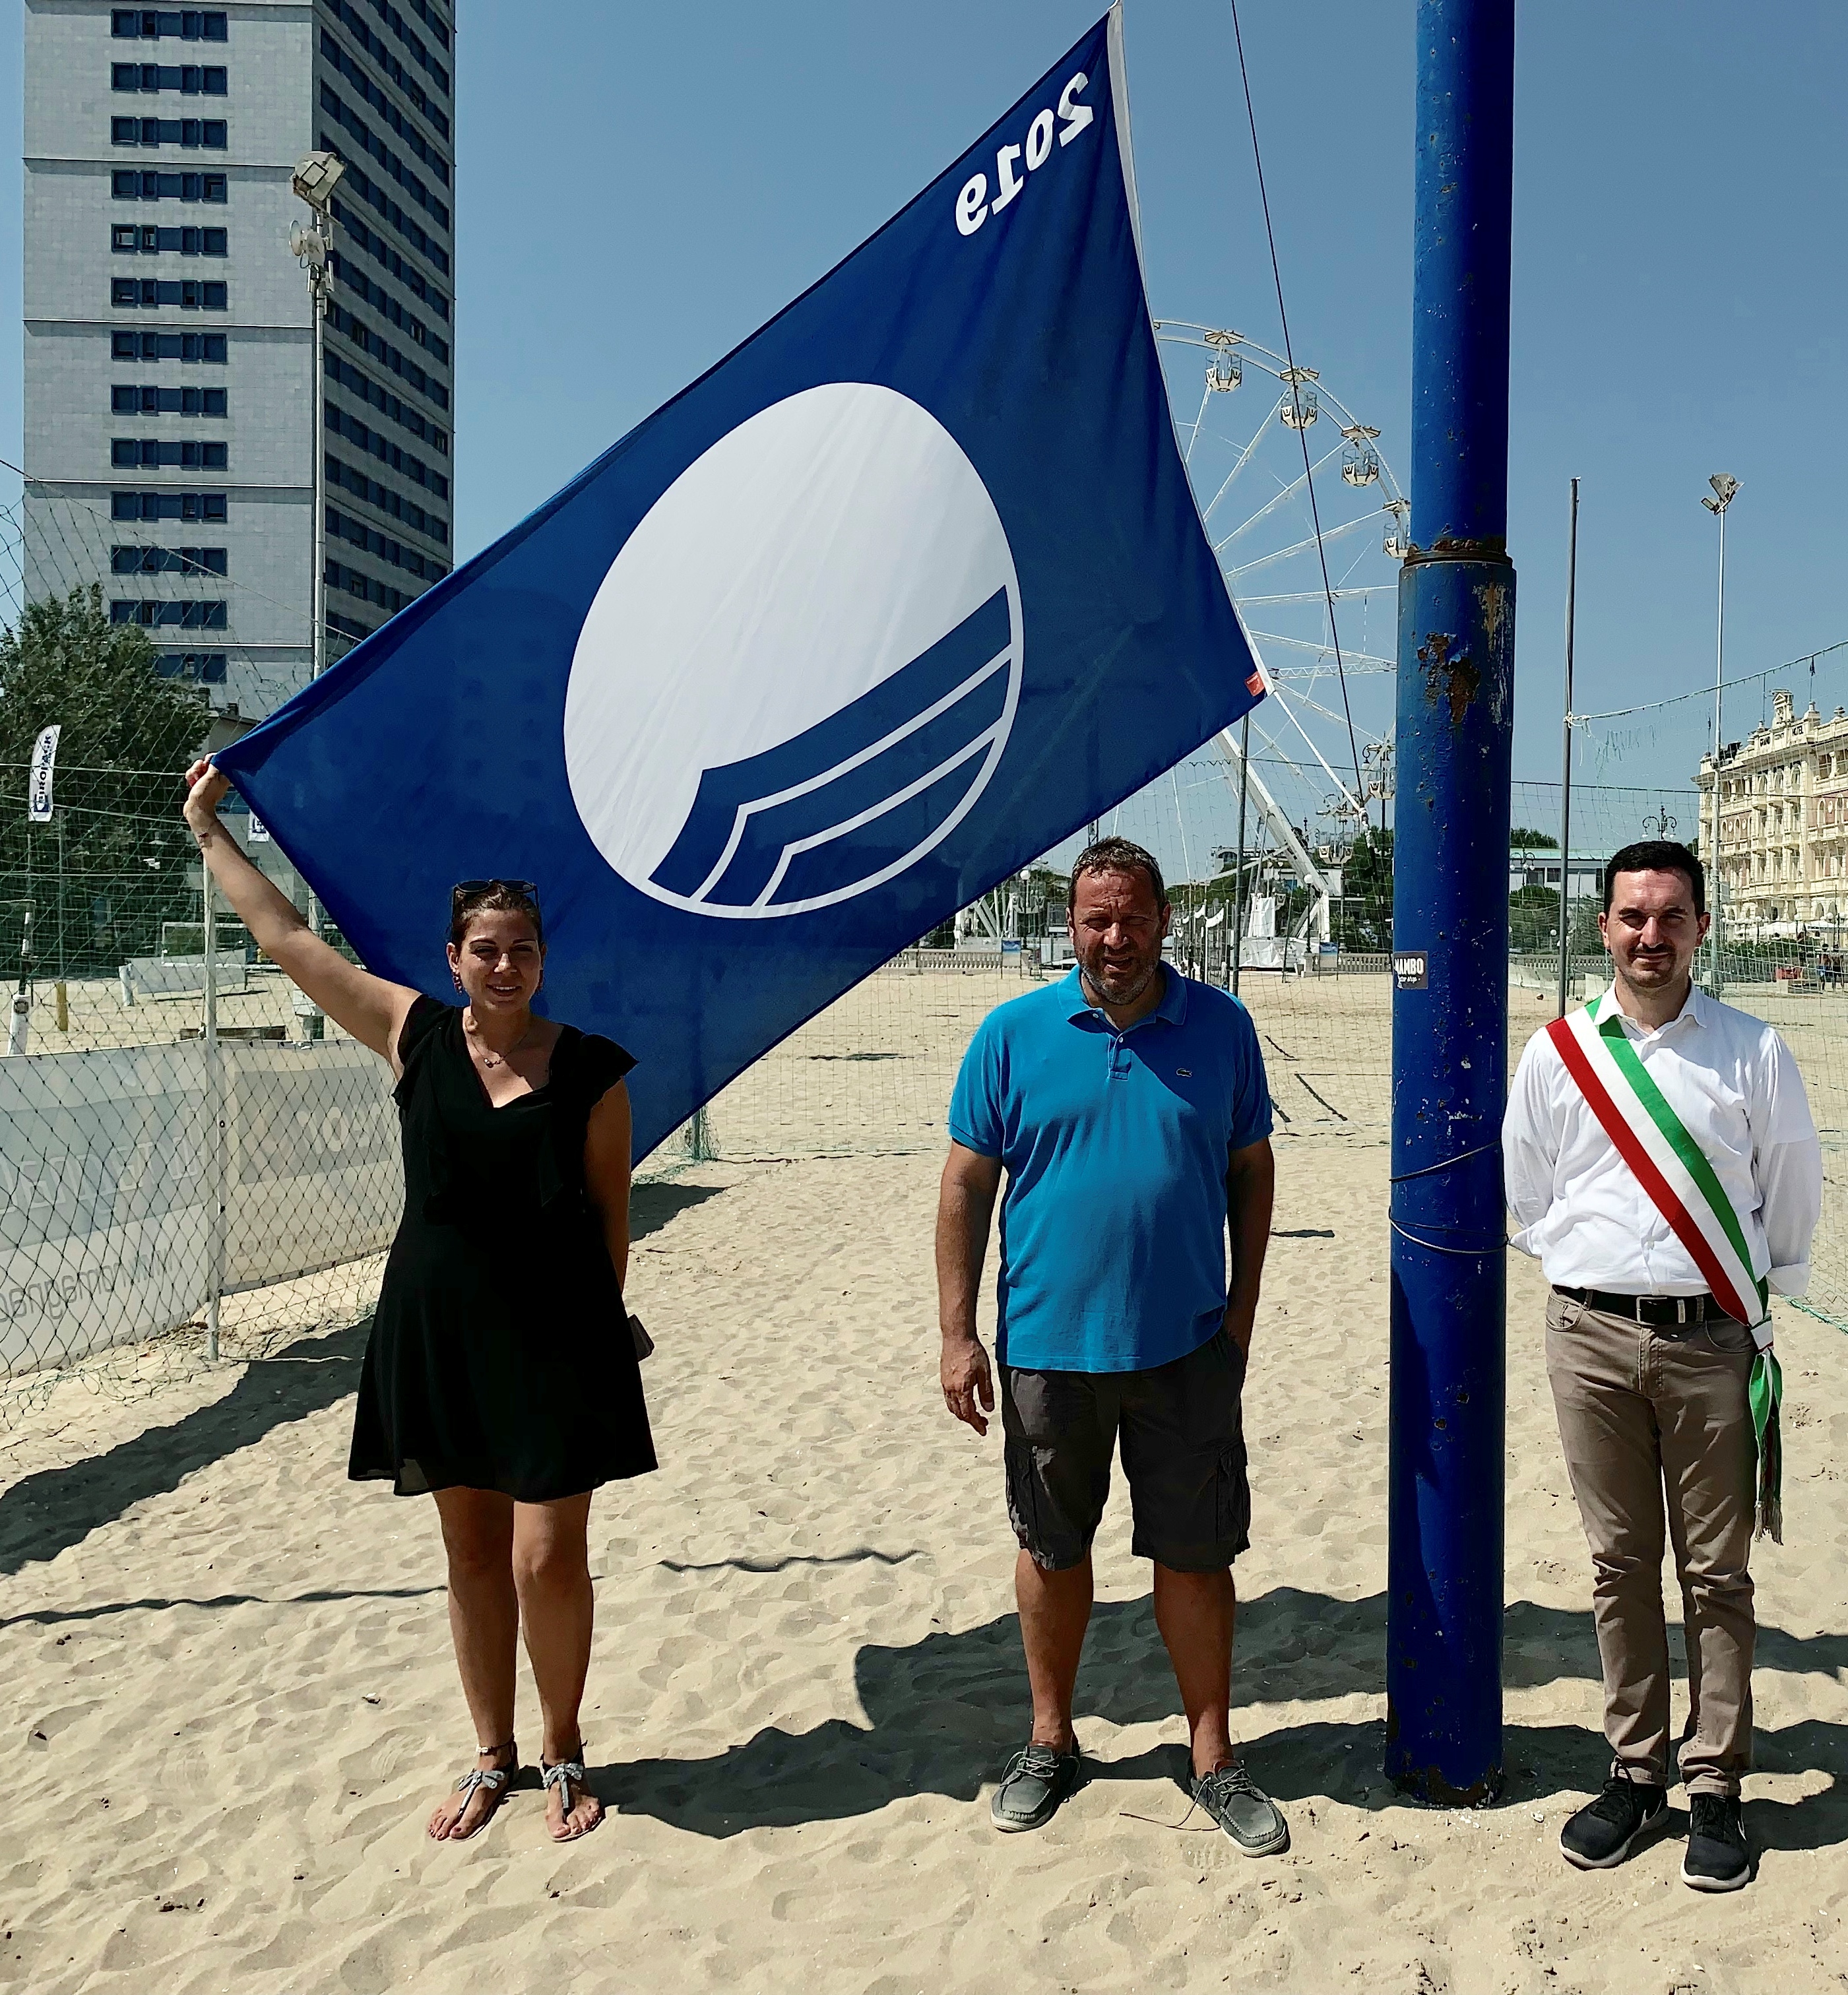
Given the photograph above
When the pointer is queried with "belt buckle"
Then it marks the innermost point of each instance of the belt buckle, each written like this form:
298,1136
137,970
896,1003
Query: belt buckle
1681,1309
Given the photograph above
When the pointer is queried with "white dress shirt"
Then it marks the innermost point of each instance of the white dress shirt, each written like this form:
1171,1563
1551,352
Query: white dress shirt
1578,1206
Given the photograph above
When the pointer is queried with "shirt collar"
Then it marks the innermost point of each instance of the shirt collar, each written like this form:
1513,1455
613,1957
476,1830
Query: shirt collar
1172,1010
1696,1011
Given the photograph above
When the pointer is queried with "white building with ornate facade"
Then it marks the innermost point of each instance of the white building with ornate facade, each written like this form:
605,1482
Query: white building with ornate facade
1783,858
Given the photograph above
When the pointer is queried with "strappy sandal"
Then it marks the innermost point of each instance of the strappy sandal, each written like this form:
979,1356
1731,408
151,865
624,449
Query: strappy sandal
494,1779
561,1775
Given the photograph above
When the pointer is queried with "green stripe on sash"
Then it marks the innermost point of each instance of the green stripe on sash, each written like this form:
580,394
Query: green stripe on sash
1661,1113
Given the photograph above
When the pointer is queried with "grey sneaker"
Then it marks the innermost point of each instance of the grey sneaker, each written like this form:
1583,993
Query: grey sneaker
1036,1781
1243,1809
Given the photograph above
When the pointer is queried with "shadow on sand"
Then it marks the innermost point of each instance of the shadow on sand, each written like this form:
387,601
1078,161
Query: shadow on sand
944,1714
46,1513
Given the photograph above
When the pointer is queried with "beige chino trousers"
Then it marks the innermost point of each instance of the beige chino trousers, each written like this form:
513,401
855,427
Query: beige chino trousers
1656,1421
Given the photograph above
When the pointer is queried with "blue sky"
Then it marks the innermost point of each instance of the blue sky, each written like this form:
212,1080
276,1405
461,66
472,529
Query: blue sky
641,186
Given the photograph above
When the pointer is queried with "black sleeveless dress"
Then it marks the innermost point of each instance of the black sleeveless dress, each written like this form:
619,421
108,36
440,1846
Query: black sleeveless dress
500,1358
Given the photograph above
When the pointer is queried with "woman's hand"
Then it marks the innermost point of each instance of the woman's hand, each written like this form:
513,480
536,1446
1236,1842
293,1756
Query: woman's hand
205,789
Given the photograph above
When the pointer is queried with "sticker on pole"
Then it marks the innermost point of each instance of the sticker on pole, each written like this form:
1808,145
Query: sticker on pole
38,782
1411,970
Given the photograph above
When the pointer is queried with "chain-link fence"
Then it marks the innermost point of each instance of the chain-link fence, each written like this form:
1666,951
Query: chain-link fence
192,1162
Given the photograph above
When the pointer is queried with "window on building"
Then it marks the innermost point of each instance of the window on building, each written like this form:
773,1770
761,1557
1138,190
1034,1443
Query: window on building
201,667
382,350
144,398
356,232
206,132
136,239
207,508
350,16
348,627
368,141
365,587
355,74
190,79
189,293
165,453
207,346
356,183
350,377
350,477
382,547
339,423
381,301
181,615
168,560
130,183
151,24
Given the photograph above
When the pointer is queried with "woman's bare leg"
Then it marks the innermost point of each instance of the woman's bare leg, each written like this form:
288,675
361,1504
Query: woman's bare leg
551,1572
484,1624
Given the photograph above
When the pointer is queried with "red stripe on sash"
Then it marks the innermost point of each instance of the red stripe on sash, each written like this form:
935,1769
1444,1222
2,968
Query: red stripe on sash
1630,1150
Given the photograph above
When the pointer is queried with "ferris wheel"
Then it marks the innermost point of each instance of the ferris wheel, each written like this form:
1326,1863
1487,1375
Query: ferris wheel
1319,605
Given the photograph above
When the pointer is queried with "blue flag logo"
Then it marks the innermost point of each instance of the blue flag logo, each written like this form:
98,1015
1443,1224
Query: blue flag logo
772,713
896,596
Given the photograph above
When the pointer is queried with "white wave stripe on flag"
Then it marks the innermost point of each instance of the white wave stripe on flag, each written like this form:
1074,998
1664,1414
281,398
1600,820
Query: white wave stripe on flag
1722,1261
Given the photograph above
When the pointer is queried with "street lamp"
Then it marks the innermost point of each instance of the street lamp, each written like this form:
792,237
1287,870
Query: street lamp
1726,488
314,181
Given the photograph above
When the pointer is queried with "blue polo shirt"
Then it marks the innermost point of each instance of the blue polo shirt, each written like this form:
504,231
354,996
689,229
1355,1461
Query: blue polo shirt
1116,1146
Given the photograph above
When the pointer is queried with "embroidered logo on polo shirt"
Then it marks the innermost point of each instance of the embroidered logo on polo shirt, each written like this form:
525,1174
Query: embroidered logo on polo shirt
1183,1073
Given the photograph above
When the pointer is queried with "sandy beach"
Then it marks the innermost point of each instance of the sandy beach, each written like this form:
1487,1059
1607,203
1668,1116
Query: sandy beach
232,1700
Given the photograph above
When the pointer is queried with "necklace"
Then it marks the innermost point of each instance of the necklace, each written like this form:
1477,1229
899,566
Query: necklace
489,1058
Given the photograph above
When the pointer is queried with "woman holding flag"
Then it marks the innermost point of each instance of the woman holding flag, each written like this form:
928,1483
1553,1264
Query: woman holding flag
501,1374
1661,1163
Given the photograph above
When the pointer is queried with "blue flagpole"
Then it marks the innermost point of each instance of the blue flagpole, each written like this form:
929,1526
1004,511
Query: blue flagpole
1450,930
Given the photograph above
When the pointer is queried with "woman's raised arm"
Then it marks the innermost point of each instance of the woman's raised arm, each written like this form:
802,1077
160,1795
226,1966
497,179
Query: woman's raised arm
371,1009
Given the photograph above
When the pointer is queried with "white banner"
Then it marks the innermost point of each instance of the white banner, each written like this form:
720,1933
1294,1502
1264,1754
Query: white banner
314,1175
106,1175
38,782
104,1227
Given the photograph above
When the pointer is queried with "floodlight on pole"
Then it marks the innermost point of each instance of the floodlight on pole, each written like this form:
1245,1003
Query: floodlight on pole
316,178
1726,487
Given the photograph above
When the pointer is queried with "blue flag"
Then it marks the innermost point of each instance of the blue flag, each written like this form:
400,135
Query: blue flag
886,604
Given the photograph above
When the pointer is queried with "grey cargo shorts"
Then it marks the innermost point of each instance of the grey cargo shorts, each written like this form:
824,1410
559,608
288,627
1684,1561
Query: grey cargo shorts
1181,1429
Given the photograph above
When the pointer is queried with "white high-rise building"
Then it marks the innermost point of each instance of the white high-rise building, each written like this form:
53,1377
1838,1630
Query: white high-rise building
169,345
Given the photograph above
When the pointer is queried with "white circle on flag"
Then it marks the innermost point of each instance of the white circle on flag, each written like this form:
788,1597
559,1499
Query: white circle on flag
806,655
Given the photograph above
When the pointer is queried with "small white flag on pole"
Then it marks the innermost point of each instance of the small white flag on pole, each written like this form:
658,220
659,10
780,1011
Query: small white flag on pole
38,782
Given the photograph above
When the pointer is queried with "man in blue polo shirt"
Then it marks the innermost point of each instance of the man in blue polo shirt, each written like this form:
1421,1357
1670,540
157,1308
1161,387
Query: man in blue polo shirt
1127,1107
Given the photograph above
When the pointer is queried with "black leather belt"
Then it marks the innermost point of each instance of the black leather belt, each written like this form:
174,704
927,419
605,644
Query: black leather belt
1656,1312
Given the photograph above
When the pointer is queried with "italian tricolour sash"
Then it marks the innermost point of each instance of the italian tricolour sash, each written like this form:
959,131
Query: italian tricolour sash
1681,1183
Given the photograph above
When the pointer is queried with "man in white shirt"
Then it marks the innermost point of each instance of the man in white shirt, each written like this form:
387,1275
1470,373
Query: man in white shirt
1649,1372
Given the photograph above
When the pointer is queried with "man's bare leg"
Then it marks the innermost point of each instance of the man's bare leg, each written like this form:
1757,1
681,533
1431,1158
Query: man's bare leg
1054,1610
1196,1613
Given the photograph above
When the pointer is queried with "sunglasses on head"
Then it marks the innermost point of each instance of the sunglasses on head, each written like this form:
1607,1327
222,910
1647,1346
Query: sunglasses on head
475,890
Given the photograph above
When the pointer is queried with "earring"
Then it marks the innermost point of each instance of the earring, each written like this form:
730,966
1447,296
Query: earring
457,975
